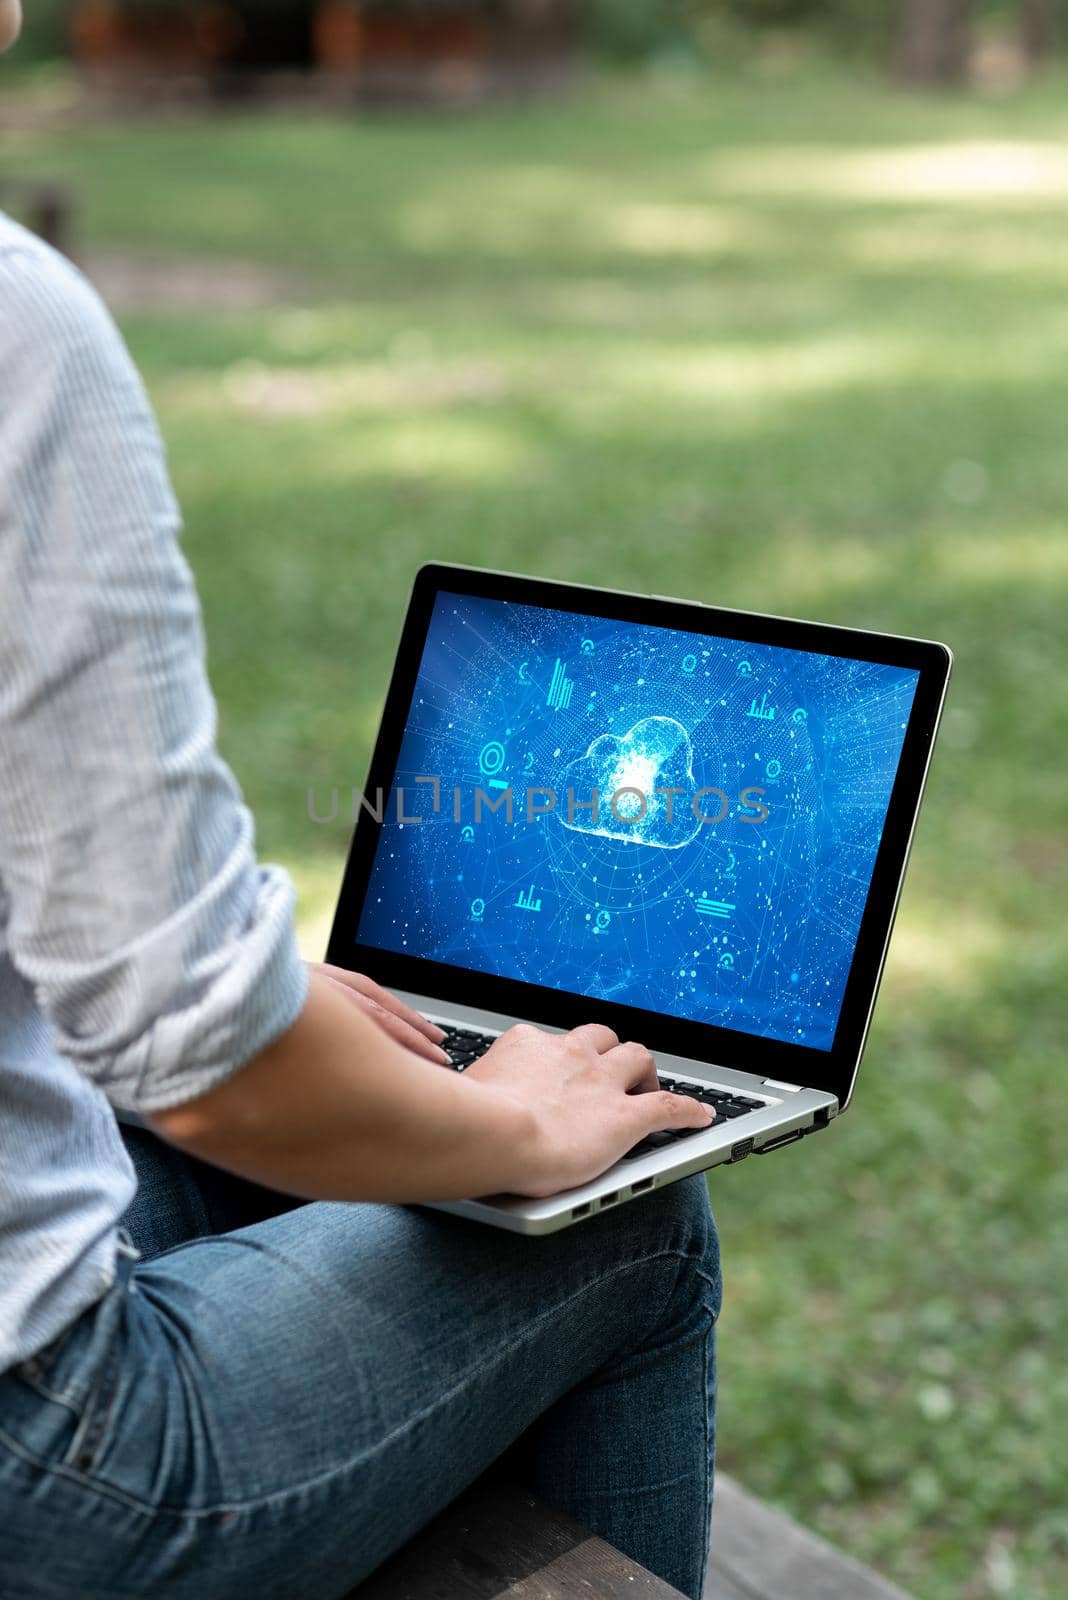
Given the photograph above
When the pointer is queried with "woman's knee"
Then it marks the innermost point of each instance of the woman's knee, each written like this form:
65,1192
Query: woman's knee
681,1216
669,1237
675,1221
689,1229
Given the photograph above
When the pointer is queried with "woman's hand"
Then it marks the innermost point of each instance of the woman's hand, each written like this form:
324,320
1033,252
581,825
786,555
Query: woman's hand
335,1109
391,1014
591,1098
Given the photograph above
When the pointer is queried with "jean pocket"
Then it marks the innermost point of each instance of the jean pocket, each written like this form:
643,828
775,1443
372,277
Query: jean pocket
34,1422
36,1371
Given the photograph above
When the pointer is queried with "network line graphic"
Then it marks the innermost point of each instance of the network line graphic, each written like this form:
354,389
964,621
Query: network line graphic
737,901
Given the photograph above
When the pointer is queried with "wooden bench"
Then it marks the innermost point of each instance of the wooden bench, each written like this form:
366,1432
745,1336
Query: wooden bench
501,1541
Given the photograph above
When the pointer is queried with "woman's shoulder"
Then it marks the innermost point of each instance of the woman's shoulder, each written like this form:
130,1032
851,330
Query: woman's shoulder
47,307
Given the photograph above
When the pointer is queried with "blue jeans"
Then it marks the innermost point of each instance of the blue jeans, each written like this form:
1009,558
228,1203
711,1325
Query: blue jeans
271,1401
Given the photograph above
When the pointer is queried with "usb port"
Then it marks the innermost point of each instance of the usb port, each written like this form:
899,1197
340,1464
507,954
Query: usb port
581,1211
641,1185
777,1144
609,1199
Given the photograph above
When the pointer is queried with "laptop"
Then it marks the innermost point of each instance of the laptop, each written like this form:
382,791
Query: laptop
686,822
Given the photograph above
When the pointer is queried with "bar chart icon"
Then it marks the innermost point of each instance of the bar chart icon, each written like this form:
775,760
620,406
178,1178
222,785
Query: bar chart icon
559,696
527,902
706,907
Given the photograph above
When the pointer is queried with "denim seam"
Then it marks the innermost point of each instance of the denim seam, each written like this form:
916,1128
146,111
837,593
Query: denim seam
83,1448
713,1283
641,1488
113,1492
43,1392
710,1478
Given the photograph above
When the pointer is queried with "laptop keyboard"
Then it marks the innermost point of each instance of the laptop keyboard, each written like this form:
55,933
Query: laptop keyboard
728,1104
464,1045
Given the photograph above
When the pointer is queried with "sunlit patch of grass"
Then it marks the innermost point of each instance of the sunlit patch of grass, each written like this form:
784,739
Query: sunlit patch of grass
448,449
1026,556
317,881
1020,247
758,374
972,173
655,229
344,430
260,392
940,955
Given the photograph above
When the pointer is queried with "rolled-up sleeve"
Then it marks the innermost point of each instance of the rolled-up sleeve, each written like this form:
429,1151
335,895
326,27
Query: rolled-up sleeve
162,954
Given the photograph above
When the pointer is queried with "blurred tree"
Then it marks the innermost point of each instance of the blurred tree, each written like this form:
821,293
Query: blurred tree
43,33
933,41
421,50
928,41
631,31
1038,30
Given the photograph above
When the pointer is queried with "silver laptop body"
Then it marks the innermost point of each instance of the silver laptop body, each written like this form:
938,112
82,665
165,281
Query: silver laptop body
788,1113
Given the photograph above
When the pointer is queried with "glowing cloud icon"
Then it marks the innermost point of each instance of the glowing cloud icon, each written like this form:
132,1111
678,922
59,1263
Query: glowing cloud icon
656,753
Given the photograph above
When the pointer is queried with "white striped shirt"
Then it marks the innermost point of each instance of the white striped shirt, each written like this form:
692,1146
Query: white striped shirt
144,955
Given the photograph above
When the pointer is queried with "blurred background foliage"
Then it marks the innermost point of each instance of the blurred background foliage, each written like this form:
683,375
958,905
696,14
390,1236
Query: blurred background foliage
745,323
945,32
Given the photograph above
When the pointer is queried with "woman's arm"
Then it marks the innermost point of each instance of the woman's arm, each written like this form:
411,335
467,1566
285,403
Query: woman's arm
161,953
335,1110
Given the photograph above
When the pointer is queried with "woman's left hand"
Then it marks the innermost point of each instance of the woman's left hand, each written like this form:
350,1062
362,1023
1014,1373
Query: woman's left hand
391,1014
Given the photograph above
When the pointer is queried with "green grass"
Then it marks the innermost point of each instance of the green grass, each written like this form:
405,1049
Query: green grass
732,341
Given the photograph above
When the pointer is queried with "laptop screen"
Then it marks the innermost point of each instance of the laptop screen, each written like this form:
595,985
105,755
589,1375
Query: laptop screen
678,822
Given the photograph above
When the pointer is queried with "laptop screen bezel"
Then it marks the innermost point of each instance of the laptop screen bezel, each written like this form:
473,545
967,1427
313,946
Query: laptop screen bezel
831,1070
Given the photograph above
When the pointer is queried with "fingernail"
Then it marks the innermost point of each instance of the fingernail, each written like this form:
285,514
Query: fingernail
439,1032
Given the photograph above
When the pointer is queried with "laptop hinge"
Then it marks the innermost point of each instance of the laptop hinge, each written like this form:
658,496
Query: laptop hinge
773,1083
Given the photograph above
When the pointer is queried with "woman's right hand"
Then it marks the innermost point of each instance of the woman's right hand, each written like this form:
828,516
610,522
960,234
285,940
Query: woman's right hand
336,1109
590,1099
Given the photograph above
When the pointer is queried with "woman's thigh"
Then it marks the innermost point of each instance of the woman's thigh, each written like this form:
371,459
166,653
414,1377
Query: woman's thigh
280,1407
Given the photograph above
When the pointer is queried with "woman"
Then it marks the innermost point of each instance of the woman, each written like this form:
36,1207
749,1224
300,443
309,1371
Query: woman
219,1376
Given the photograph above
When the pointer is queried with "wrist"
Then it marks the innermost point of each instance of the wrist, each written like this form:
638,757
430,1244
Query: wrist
512,1131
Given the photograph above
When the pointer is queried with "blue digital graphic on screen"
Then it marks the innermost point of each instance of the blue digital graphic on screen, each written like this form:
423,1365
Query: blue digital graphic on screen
677,822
